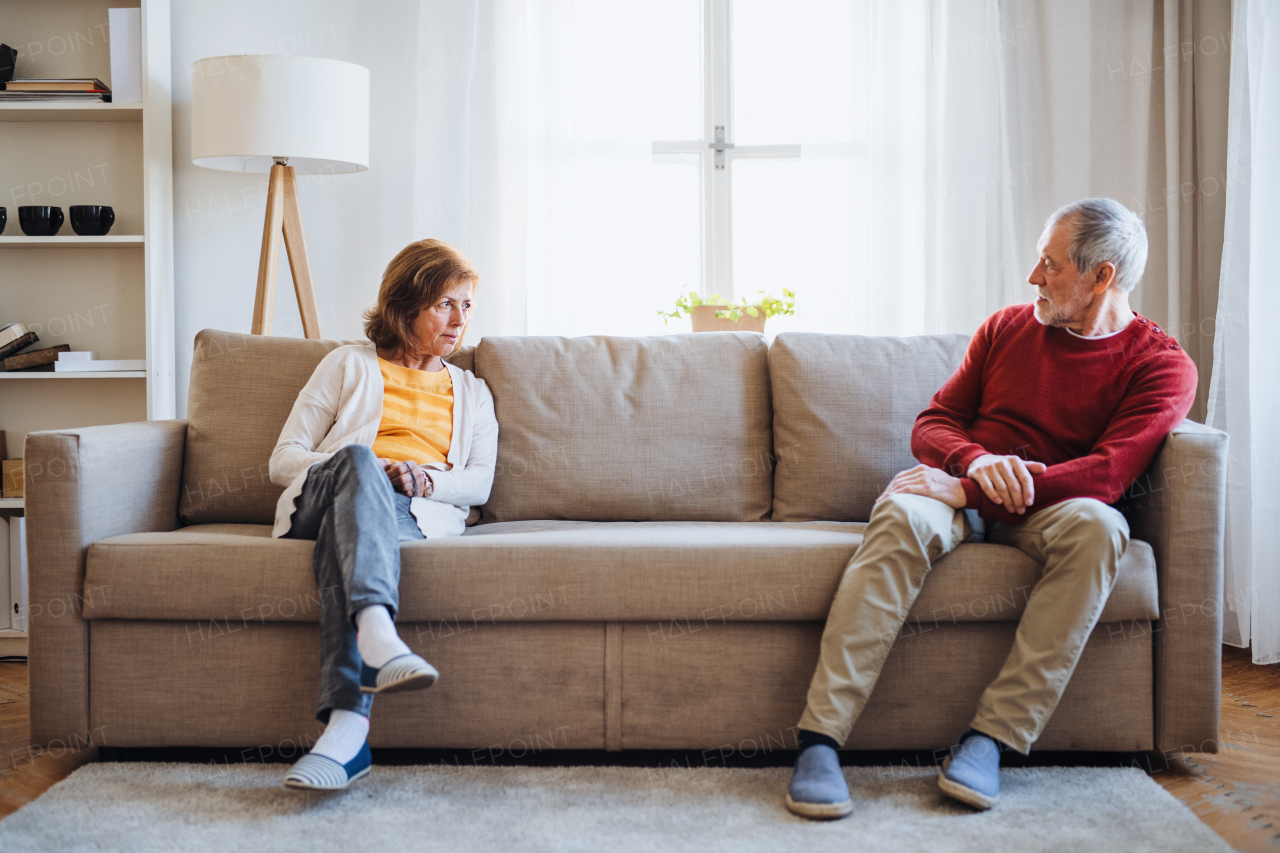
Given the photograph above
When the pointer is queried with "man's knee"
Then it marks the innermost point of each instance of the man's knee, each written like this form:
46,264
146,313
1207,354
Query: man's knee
1095,522
903,504
1094,514
911,509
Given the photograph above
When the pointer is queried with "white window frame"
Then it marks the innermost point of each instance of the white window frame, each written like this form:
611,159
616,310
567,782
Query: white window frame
716,150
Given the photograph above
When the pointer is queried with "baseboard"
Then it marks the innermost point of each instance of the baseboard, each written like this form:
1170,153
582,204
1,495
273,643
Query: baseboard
13,644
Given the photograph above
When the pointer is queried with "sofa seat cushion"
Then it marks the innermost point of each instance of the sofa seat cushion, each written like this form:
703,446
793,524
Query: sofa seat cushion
569,571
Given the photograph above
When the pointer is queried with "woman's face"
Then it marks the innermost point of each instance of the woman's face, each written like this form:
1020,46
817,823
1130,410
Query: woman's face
438,327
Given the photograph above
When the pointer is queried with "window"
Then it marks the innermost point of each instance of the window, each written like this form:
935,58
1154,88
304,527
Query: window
728,146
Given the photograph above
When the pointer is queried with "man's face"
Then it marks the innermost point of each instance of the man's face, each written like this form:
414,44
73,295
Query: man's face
1064,293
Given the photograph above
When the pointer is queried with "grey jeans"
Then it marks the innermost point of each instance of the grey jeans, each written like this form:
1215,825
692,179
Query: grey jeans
358,521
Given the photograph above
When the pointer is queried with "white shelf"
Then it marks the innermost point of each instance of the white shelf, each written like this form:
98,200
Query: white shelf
12,503
110,241
87,374
69,111
133,264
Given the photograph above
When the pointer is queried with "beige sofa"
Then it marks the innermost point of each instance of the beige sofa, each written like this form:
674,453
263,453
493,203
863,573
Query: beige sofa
669,520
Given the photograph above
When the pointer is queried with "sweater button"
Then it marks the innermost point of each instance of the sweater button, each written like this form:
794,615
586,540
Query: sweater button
1142,320
1156,329
1174,345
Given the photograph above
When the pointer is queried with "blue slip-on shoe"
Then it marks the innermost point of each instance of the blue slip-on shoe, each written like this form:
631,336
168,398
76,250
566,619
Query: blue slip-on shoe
972,773
406,672
320,773
818,789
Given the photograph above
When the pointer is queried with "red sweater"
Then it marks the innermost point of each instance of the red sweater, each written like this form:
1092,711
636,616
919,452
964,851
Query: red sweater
1095,412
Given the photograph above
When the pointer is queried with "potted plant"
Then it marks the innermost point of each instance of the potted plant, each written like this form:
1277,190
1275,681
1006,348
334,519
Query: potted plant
718,314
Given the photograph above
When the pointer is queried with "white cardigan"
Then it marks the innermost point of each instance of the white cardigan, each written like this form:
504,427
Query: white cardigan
341,404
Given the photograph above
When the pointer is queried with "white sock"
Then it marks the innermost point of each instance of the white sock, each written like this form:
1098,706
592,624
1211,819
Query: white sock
342,739
377,639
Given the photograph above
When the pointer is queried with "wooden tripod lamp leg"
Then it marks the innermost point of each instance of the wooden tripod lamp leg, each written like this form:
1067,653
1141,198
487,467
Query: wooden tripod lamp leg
264,303
295,242
283,214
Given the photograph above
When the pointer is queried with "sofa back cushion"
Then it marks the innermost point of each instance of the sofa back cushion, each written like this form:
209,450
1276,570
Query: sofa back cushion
242,390
674,428
843,409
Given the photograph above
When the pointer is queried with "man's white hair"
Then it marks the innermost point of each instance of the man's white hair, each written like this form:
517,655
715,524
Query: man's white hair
1103,229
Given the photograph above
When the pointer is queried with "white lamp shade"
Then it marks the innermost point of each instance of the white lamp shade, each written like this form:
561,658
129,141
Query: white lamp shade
248,110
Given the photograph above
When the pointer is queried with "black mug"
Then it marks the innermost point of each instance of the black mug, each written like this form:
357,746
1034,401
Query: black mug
4,217
40,221
92,220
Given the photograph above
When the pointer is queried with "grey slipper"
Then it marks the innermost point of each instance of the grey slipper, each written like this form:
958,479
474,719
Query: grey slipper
971,774
818,789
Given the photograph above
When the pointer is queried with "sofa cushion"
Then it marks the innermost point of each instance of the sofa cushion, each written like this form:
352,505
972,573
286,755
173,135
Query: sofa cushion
676,575
242,390
674,428
843,409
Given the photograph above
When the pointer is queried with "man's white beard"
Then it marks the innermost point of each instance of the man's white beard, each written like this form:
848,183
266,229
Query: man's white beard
1049,315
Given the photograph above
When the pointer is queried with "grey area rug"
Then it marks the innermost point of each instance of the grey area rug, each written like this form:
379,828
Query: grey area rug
192,807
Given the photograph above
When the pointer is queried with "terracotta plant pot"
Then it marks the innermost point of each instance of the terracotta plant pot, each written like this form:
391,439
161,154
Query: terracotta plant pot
705,320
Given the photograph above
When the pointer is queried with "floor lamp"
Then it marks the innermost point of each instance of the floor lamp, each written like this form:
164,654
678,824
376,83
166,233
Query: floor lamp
282,115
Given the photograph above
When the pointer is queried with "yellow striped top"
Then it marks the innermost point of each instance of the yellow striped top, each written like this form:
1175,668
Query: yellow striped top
417,414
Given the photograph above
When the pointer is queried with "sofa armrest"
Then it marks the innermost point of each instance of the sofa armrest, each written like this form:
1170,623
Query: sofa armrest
83,485
1179,507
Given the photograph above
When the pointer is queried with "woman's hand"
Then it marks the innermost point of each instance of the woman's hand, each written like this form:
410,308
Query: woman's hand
407,478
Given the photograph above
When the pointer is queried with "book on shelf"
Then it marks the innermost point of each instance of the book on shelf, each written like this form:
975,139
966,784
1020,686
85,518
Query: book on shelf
15,337
35,358
105,365
49,84
70,89
16,97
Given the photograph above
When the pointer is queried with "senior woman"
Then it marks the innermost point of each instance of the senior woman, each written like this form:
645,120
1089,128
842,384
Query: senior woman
386,443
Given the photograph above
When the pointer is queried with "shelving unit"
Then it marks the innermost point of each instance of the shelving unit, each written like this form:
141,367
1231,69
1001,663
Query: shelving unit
73,241
87,374
53,111
113,294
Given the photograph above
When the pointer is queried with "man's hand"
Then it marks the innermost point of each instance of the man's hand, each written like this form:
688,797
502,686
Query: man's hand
930,482
407,478
1006,480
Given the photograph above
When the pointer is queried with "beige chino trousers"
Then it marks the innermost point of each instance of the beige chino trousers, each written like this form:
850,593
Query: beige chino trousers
1079,542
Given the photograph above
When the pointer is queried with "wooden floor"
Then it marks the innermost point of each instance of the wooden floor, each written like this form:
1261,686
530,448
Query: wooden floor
1235,792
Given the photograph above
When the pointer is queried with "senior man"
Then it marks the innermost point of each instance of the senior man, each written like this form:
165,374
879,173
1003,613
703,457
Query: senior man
1057,407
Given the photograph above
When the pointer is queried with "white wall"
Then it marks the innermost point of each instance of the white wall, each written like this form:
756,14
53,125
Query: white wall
354,223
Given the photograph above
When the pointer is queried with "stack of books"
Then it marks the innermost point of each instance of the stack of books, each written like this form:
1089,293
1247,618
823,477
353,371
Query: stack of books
79,89
86,362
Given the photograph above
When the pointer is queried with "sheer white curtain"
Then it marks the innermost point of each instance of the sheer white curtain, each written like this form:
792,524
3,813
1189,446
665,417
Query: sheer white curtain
536,122
1244,395
1127,100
